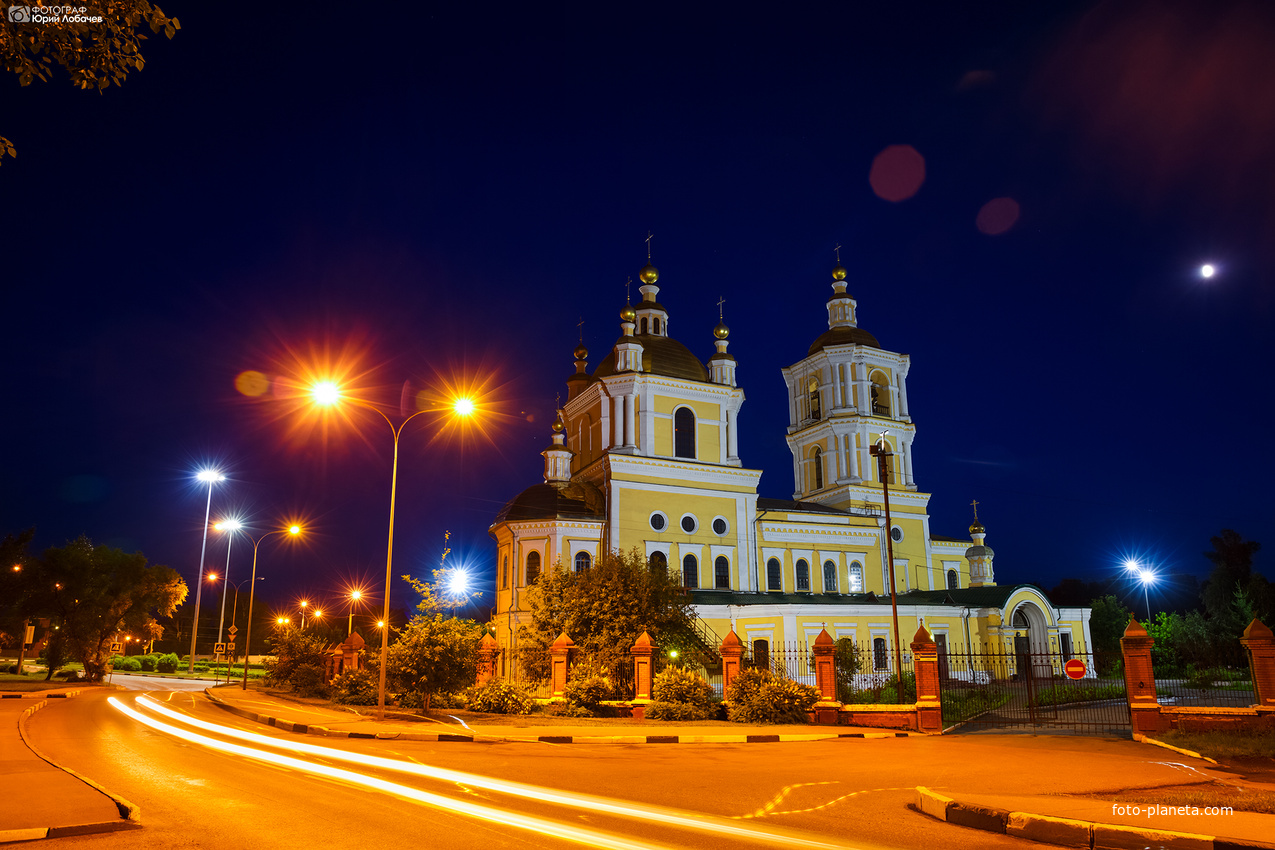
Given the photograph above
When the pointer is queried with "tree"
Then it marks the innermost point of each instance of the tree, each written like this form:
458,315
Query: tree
95,593
604,609
434,655
1107,623
1232,559
98,47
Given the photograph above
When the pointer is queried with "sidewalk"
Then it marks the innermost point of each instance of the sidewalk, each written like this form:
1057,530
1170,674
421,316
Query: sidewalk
335,723
42,800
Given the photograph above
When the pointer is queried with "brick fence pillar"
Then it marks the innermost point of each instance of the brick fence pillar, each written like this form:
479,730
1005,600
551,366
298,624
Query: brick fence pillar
560,663
1260,643
1139,680
642,651
350,649
925,665
487,652
732,651
825,710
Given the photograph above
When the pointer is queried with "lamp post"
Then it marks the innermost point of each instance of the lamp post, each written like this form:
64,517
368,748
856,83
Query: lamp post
328,393
355,596
1147,577
882,452
252,587
230,526
212,476
304,604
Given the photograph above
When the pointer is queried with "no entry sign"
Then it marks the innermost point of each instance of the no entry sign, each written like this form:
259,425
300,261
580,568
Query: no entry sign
1075,668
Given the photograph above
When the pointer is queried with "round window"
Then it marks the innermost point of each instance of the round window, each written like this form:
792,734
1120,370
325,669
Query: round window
658,521
689,524
720,527
896,534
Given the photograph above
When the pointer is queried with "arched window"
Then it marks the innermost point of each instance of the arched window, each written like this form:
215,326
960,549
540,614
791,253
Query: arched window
655,326
812,390
803,575
856,578
504,573
774,579
953,581
817,458
880,658
761,654
583,562
829,577
690,571
684,433
880,394
658,562
643,330
721,572
533,568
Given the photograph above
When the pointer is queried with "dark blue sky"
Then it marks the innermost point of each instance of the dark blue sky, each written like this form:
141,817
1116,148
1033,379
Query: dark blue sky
446,192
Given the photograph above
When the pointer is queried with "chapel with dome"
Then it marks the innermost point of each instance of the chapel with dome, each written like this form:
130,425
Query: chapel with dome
644,454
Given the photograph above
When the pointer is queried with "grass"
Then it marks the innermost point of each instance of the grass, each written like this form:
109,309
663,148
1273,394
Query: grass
1060,695
962,704
32,682
1200,796
1223,745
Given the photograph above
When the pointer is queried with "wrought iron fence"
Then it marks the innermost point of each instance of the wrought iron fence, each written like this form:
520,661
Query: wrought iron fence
1220,677
864,675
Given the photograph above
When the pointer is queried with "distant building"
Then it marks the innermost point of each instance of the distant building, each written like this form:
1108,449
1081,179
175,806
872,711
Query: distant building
645,453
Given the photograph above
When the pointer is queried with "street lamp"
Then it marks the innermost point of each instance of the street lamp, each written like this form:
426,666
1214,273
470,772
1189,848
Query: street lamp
328,393
211,476
355,596
882,452
292,530
1145,575
230,526
304,604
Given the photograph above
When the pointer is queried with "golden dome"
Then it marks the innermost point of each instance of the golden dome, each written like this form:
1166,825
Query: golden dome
558,425
977,528
649,274
839,272
628,314
581,352
721,331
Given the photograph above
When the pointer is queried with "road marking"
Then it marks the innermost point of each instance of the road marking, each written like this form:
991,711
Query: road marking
769,809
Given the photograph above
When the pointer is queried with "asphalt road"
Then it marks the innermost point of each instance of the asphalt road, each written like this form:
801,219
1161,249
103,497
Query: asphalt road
852,792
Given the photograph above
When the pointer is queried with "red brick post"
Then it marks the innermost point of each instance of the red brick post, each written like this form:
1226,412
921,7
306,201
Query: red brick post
560,663
642,651
350,649
1260,643
925,665
825,710
1139,680
732,658
487,652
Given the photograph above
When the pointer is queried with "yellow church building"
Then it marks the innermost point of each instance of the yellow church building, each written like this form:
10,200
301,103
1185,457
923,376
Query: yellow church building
645,454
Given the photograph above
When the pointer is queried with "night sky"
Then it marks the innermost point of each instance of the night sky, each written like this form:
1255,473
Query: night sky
427,196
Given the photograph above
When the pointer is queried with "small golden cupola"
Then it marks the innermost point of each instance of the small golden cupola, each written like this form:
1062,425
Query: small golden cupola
652,318
628,350
980,555
557,456
721,366
581,378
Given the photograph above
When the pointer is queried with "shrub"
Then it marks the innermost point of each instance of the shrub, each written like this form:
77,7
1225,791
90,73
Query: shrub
588,685
294,649
433,656
12,668
307,681
497,696
167,663
147,662
125,665
356,687
679,685
756,696
678,711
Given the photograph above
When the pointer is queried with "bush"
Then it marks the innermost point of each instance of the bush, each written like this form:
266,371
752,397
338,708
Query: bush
125,665
12,668
307,681
682,686
147,662
756,696
356,687
678,711
294,649
167,663
588,685
497,696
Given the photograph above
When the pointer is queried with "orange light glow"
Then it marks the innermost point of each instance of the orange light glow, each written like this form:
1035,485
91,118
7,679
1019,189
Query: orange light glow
211,577
463,406
294,529
325,392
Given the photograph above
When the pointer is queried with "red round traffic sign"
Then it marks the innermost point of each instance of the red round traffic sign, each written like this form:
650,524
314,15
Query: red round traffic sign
1075,668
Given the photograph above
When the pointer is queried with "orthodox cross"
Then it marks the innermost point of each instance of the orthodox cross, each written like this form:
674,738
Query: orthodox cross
975,504
627,283
838,250
720,302
580,325
649,237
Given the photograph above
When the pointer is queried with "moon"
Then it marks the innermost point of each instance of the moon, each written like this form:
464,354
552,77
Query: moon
1207,270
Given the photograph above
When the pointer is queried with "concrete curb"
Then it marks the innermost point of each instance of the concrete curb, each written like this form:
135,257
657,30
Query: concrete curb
131,815
1143,739
1067,832
476,738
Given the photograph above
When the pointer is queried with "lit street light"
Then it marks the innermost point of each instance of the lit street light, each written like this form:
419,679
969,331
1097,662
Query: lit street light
230,526
1147,577
328,393
355,596
292,530
304,604
211,476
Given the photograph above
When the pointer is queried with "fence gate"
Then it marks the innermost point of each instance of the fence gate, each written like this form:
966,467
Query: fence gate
1016,688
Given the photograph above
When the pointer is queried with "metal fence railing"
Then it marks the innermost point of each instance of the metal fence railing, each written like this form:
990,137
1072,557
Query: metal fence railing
1221,677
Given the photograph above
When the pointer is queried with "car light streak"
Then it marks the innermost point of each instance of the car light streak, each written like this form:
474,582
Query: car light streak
579,835
655,814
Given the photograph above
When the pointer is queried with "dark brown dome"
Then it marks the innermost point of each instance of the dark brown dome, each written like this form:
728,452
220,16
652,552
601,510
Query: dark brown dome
843,336
661,355
550,501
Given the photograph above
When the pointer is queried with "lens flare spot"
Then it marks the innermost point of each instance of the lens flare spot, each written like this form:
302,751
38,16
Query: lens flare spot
997,216
897,173
252,383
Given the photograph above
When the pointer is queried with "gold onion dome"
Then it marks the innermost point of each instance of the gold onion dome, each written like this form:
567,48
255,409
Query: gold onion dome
558,425
581,352
839,272
977,528
649,274
721,331
628,314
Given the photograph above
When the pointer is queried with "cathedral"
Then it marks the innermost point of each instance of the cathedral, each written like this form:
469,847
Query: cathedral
645,454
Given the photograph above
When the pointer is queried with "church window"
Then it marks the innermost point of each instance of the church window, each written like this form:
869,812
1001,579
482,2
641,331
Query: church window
829,577
855,578
689,523
684,433
721,573
504,573
658,521
817,458
720,526
880,394
533,568
658,562
583,562
953,581
774,580
816,408
761,654
1065,637
643,325
880,658
655,326
803,575
690,571
896,534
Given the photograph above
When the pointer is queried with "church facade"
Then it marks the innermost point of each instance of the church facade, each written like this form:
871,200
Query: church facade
645,454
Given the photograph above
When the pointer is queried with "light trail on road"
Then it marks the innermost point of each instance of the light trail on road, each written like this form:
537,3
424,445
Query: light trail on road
720,827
